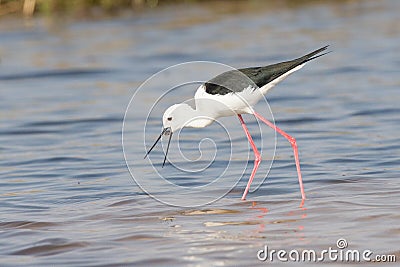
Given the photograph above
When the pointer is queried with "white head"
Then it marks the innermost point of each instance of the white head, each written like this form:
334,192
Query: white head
182,115
178,116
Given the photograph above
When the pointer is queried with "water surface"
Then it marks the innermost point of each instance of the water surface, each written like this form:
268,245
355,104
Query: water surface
68,198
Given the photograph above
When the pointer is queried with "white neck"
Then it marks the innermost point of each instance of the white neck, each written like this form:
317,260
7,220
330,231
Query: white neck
196,118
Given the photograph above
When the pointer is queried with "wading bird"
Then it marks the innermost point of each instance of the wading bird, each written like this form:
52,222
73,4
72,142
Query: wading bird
234,93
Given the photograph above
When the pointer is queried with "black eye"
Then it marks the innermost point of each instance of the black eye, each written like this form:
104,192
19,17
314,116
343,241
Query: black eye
169,118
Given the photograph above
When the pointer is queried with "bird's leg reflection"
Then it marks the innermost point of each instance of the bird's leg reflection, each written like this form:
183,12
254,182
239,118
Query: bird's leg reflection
263,212
297,215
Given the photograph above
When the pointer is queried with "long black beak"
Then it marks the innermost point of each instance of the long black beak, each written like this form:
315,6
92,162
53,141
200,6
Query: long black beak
169,141
164,131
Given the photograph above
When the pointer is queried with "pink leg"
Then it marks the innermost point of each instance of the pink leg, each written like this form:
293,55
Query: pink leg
257,155
294,145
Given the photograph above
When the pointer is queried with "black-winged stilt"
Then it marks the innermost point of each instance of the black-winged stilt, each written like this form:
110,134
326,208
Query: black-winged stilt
234,93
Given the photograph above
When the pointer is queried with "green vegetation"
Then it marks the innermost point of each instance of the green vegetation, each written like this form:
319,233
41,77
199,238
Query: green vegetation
74,7
87,8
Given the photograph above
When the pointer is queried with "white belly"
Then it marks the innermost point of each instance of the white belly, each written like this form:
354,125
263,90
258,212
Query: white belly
227,105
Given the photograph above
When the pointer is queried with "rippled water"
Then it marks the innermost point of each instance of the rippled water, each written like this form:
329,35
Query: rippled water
67,197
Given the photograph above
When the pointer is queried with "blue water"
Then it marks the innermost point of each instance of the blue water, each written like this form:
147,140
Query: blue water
68,198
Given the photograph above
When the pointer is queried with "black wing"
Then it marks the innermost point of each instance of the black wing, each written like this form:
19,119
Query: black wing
234,80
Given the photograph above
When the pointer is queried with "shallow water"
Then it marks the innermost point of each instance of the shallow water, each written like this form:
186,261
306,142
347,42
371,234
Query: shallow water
68,198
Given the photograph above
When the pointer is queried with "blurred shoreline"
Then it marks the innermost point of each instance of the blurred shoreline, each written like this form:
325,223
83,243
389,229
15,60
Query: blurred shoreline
103,8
